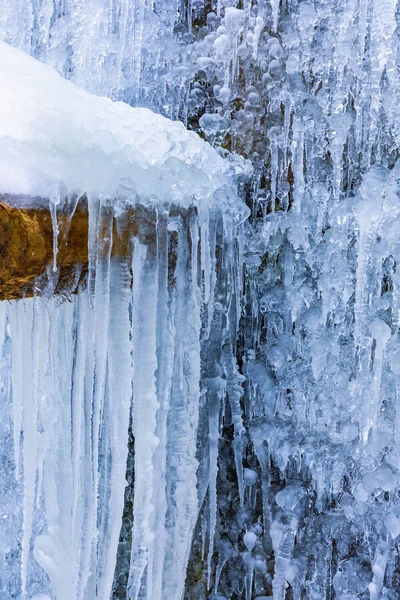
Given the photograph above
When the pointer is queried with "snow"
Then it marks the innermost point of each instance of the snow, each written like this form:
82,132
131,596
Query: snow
56,138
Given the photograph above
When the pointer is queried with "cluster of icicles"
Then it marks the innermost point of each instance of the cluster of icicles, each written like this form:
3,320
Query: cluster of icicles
124,349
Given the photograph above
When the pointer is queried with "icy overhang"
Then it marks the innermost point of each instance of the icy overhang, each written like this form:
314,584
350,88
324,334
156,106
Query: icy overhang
56,139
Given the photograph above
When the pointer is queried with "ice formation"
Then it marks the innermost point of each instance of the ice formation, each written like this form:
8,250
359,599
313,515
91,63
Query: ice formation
299,421
128,348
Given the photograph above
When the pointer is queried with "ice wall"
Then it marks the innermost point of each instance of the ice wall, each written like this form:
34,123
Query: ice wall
303,495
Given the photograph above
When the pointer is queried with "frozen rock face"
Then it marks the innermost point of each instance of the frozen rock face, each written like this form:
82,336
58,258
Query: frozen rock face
308,91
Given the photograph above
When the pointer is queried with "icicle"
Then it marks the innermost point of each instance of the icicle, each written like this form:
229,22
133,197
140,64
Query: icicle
138,28
283,542
16,323
234,390
93,211
29,429
82,525
383,27
208,260
378,569
275,13
100,320
340,125
225,552
362,26
368,215
263,457
183,419
298,162
165,338
145,406
86,526
53,213
123,29
214,398
3,320
381,333
117,420
249,562
234,21
77,404
272,136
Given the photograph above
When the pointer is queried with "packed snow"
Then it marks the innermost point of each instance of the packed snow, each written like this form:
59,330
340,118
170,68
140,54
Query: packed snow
56,139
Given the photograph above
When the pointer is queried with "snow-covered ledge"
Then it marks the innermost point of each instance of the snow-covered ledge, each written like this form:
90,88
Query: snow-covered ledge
79,369
58,143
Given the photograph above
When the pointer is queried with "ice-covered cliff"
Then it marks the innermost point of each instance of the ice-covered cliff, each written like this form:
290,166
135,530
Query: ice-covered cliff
298,443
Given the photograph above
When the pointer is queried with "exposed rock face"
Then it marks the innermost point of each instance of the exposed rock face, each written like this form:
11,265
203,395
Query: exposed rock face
27,249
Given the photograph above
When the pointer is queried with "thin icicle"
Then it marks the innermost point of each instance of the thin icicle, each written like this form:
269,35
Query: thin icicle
165,338
117,417
16,323
100,316
145,406
381,333
138,29
379,569
298,163
214,402
234,390
275,13
183,419
368,218
29,425
383,27
53,212
81,395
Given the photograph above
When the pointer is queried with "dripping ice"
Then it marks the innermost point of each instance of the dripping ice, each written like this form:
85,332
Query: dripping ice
125,349
296,464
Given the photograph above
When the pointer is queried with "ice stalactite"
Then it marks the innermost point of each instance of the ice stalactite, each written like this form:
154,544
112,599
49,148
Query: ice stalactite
383,26
138,19
381,334
275,13
145,409
87,364
234,390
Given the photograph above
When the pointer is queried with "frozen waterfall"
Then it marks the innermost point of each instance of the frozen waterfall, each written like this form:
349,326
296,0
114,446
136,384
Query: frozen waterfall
216,414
